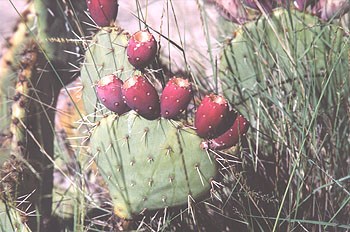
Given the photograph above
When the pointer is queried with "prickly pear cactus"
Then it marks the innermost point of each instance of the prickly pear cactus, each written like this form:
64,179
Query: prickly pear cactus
150,164
105,55
276,56
10,62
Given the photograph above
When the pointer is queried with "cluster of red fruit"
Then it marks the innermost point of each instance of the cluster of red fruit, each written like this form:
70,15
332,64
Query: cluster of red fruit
138,94
214,120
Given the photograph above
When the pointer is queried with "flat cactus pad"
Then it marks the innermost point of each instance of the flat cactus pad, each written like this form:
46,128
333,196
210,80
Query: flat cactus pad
282,52
105,55
150,164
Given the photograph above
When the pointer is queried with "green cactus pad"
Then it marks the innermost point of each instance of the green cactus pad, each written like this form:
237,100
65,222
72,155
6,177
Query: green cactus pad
150,164
105,55
275,56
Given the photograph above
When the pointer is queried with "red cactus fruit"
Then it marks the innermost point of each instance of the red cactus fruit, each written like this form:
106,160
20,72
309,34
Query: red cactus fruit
232,10
175,98
265,4
110,94
327,9
140,95
103,12
212,116
141,49
231,137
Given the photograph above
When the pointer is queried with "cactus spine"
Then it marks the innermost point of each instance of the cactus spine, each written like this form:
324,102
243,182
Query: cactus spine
150,164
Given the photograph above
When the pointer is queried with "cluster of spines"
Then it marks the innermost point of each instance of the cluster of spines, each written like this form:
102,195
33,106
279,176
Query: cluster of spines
171,166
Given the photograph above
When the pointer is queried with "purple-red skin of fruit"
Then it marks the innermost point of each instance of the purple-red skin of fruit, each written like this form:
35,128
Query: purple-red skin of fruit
140,95
212,117
103,12
326,9
265,4
175,98
231,137
141,49
110,94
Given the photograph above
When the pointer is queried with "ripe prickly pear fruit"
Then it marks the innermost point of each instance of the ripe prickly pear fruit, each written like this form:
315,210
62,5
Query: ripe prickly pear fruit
212,117
141,49
231,137
140,95
103,12
110,94
175,98
327,9
265,4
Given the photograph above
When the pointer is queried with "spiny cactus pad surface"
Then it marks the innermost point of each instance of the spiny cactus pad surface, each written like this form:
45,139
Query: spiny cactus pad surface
150,164
105,55
281,54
